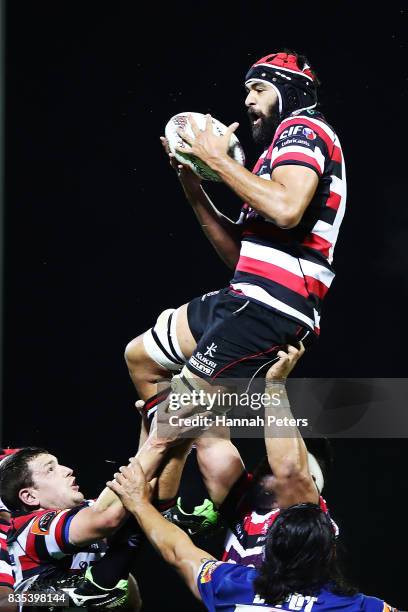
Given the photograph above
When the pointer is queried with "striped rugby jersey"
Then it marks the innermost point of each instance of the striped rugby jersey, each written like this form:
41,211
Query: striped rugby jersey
39,541
246,537
290,270
6,571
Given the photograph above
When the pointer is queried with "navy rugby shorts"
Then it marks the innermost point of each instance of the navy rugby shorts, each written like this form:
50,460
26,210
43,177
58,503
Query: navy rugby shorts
236,337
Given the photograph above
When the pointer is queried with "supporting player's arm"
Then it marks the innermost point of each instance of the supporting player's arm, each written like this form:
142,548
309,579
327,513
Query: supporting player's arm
224,234
107,513
169,540
219,460
287,456
283,199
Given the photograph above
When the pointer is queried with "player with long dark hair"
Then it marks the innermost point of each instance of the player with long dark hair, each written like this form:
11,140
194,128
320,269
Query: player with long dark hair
300,570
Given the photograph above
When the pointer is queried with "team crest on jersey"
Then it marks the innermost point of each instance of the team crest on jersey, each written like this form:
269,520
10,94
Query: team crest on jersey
41,525
207,571
310,135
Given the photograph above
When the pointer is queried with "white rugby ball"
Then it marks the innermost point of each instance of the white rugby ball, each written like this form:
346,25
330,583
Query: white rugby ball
181,121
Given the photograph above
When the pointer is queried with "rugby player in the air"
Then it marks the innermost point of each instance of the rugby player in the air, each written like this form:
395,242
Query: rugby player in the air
281,248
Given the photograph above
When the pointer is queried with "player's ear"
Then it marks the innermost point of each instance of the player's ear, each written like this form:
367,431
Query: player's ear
29,496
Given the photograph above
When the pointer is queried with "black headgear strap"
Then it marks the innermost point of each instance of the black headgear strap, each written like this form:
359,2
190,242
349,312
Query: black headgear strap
296,92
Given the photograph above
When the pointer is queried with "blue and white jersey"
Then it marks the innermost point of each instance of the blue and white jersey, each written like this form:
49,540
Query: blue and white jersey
229,587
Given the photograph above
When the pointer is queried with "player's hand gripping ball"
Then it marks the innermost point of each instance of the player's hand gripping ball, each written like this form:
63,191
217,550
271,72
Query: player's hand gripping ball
181,122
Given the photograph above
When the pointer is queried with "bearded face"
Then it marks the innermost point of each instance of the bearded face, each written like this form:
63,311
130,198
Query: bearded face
263,111
264,124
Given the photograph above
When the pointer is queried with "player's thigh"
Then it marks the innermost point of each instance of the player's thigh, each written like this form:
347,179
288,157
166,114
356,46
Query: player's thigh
140,363
185,337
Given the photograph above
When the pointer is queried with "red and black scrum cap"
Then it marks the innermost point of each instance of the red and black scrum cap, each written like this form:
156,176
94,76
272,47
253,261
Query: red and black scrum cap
295,86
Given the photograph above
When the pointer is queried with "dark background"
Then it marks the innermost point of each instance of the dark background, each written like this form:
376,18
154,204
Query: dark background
99,240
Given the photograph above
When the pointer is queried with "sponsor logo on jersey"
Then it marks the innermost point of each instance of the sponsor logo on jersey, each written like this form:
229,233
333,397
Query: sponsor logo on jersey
295,141
292,131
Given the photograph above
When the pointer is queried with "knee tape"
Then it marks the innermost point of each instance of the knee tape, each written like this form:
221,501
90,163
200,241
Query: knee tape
161,342
203,397
182,386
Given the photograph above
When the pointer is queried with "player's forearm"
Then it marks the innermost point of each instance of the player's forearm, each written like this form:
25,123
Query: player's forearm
107,513
268,198
150,456
287,455
94,523
163,535
224,234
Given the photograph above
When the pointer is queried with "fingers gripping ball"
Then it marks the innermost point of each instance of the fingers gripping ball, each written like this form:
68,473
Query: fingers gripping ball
181,121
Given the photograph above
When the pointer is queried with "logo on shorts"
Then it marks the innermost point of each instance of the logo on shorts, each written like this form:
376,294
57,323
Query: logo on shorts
200,366
202,363
211,349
